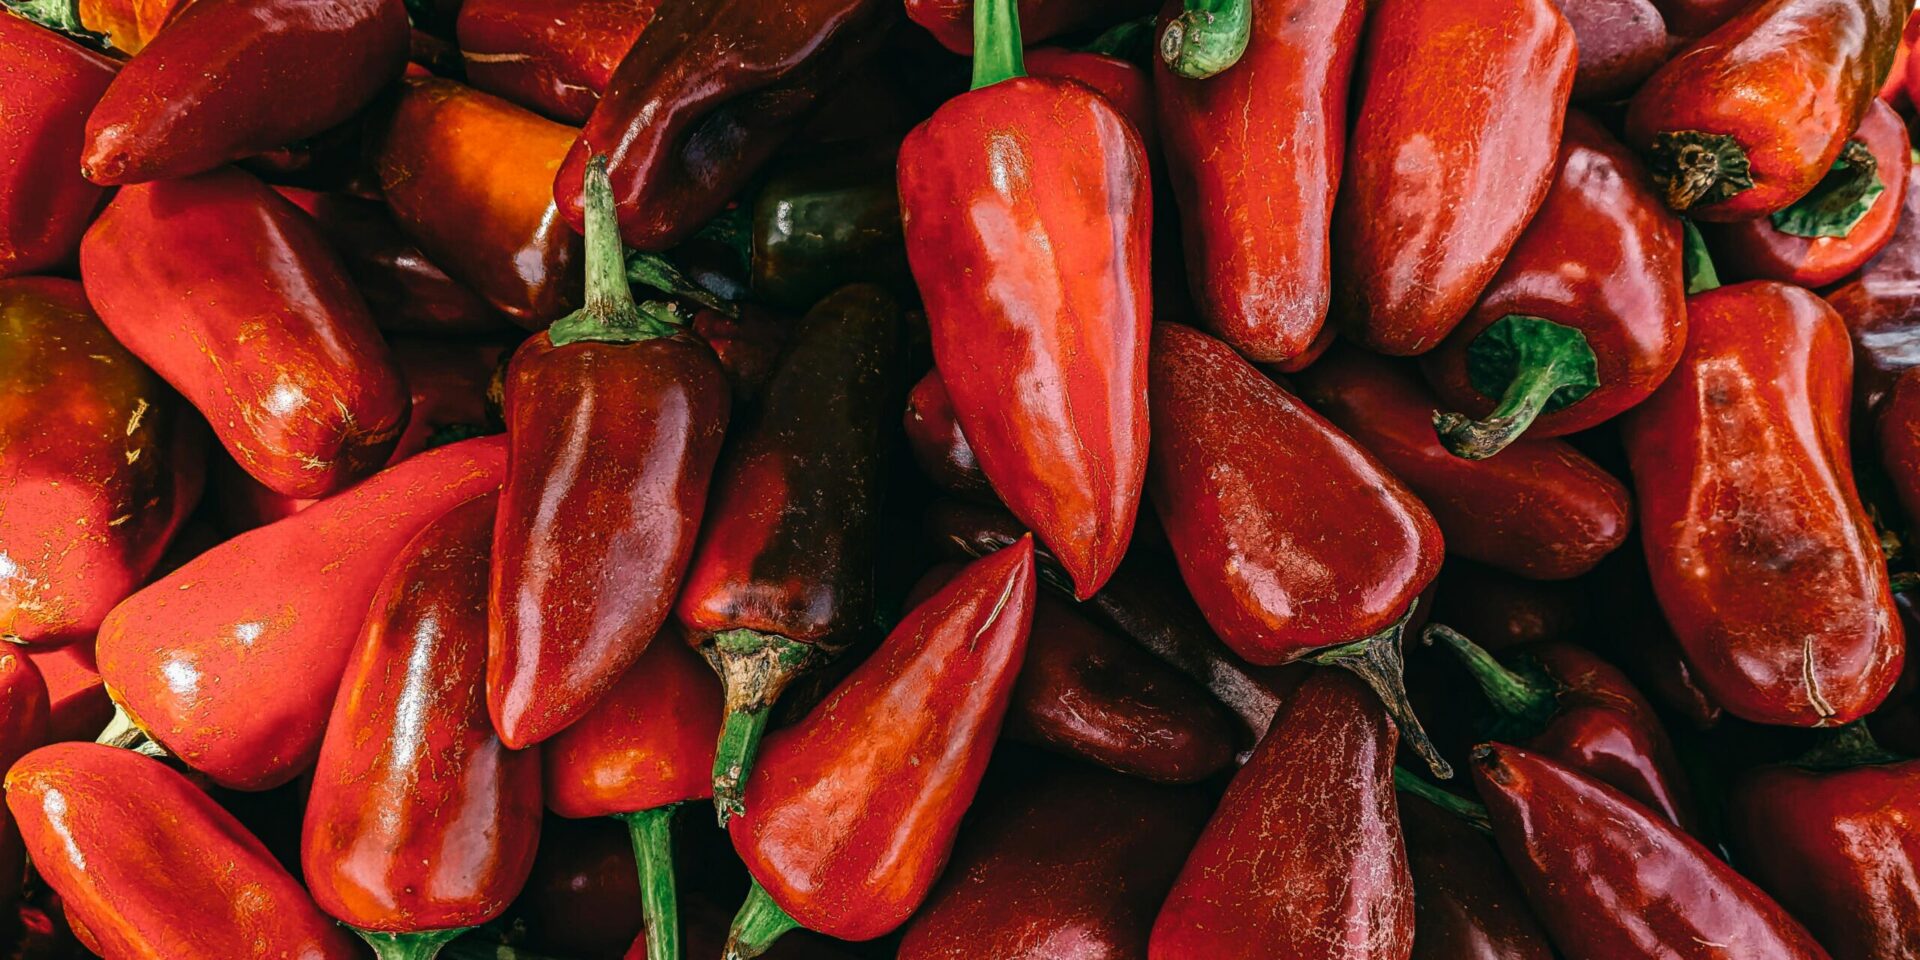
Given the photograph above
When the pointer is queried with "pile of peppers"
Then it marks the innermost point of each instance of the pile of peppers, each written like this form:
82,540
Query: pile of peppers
959,479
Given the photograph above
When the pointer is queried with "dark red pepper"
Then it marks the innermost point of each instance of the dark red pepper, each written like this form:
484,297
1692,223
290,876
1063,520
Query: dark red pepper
1466,905
1502,611
1634,635
550,56
748,346
26,723
1897,431
1688,19
76,696
1881,305
47,85
951,21
938,446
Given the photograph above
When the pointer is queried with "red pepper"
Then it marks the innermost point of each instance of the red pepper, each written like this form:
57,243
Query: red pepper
1541,509
1296,543
47,85
1066,863
1893,89
1765,563
150,868
951,21
1635,636
938,446
1256,229
76,696
578,901
1305,847
1881,305
230,78
1898,434
102,464
1121,81
228,292
26,723
1621,42
1584,320
1447,162
852,811
1750,117
1688,19
1466,905
411,770
615,417
1610,878
748,347
129,25
1027,221
1503,611
1834,230
232,661
551,56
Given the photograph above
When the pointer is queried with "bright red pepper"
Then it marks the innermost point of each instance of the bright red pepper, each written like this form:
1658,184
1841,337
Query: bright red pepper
129,25
951,21
232,661
152,868
1121,81
938,446
226,290
47,85
852,812
1447,162
1621,42
551,56
1881,305
1027,221
26,723
230,78
1765,563
77,697
1466,905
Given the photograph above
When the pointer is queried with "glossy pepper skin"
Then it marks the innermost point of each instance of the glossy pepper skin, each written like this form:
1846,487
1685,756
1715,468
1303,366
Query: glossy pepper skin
937,443
1898,434
1609,878
47,85
411,771
827,219
852,812
951,21
1785,613
231,662
468,176
704,98
1747,119
100,463
152,868
1540,509
1305,848
1466,905
1121,81
26,723
230,78
1446,163
76,696
1881,306
551,56
1256,231
227,291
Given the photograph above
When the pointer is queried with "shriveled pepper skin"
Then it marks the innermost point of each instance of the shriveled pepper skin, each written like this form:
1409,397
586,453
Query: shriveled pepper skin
1466,905
47,85
1028,220
550,56
129,25
153,869
1446,163
100,463
704,98
419,819
1609,878
1256,230
1304,850
469,177
227,291
232,661
851,813
230,78
1762,556
1787,81
1881,305
951,21
1539,509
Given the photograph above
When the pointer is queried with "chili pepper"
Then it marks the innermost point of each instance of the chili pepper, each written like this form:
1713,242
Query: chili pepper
102,464
1748,119
1621,43
591,544
152,868
1305,847
1610,878
1295,542
1881,305
1584,320
952,21
231,295
1894,88
232,661
129,25
1898,433
25,724
1063,862
47,84
1465,904
853,810
550,56
1446,163
1255,229
1635,636
1835,229
1540,509
748,347
1121,81
938,446
230,78
1688,19
578,900
827,220
1037,295
1785,613
77,698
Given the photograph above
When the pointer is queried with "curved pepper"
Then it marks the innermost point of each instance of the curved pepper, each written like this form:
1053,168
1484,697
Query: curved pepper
748,347
1540,509
1688,19
1256,231
1305,847
1027,221
1635,636
1466,905
26,723
47,85
232,78
938,446
1584,319
1121,81
1897,431
1447,162
129,25
76,696
853,810
226,290
1621,43
1750,117
102,463
1609,878
153,869
1881,305
550,56
1763,559
951,21
827,220
231,662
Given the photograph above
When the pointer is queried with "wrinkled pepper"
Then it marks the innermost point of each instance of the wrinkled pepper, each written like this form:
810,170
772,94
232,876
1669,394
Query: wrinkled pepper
1466,905
551,56
47,85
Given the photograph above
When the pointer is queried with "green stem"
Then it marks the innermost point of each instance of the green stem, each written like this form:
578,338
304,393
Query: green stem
754,668
656,271
1128,40
1474,814
1852,745
1839,201
1207,37
1534,366
996,42
422,945
758,924
1376,660
610,314
1519,700
1697,263
61,16
652,835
